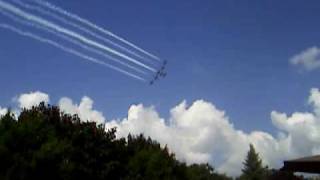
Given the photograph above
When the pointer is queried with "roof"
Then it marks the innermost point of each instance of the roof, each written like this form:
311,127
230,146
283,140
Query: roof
309,164
306,159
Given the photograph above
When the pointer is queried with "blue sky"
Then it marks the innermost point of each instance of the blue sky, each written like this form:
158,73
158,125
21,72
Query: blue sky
234,54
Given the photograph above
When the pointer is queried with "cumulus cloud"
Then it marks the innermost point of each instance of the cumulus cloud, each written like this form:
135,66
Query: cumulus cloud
198,133
84,110
32,99
3,111
309,59
201,132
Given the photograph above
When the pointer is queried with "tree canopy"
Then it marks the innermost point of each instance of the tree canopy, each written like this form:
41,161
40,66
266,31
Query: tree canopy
45,143
253,168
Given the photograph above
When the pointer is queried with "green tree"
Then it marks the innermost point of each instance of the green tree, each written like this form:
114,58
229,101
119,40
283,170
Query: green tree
44,143
148,160
253,168
204,172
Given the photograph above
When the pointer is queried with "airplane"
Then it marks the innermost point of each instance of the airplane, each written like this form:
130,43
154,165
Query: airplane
164,74
155,79
163,67
160,74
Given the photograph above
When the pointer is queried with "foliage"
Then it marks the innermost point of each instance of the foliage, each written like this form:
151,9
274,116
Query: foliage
203,172
43,143
253,169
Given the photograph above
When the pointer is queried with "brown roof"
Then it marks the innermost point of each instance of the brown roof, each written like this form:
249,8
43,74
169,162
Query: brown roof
309,164
306,159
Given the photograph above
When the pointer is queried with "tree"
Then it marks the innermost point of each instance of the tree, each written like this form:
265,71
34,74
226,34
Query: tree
204,172
44,143
253,168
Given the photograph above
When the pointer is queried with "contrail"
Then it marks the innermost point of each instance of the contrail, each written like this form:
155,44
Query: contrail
19,12
92,25
70,40
86,30
66,49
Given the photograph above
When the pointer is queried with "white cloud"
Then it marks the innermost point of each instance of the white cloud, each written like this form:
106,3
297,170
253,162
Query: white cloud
203,133
314,100
3,111
309,59
32,99
196,134
83,110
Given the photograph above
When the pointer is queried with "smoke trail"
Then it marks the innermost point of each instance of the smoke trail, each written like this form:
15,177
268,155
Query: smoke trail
70,40
36,19
57,17
92,25
66,49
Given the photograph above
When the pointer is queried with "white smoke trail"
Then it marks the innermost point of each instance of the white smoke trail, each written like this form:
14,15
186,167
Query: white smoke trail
70,40
81,28
66,49
17,11
92,25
